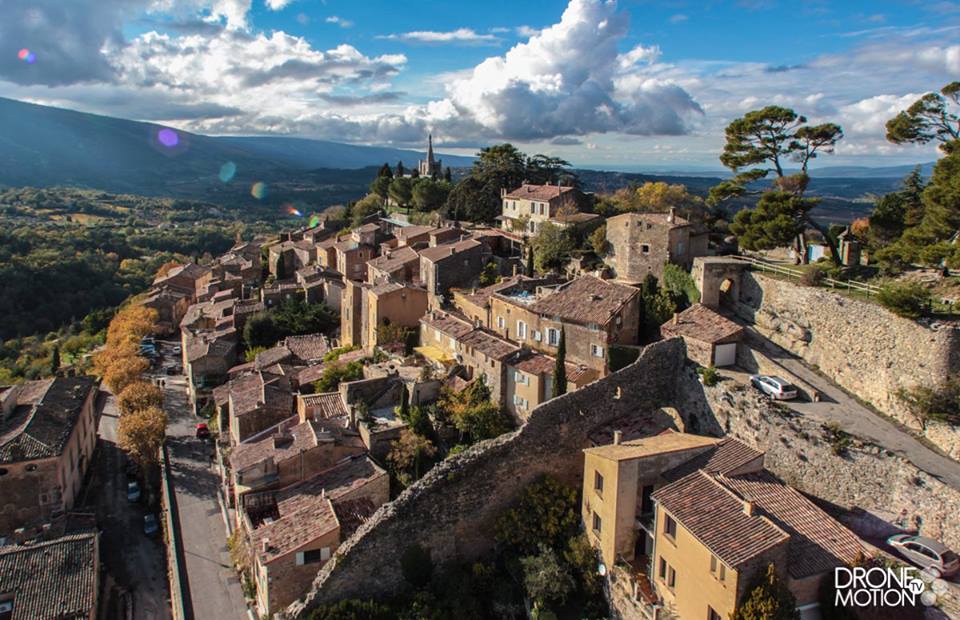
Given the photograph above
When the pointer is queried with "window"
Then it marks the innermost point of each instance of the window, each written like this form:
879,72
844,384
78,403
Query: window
521,402
645,248
533,209
597,523
521,330
437,336
537,336
663,569
520,378
31,467
553,337
596,350
542,209
669,527
500,322
313,556
671,578
598,482
717,568
712,615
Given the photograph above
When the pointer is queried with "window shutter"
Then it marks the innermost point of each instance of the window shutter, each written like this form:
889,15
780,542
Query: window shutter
299,558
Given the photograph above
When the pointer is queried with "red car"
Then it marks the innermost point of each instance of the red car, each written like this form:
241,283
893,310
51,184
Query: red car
202,431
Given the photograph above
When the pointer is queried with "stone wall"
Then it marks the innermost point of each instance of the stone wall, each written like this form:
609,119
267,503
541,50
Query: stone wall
452,510
864,348
867,485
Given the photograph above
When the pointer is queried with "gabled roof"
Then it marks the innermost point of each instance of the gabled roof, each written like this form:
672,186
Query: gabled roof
447,250
308,347
43,418
653,219
489,344
699,322
528,191
717,518
51,580
327,405
447,324
728,456
391,260
586,300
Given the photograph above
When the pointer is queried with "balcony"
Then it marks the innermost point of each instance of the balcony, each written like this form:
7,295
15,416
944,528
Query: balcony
632,579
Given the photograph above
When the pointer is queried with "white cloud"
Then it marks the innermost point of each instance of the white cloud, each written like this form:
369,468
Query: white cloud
277,5
527,31
343,23
460,35
679,18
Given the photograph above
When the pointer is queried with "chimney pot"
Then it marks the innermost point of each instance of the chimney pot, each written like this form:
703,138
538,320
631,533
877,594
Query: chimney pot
676,318
672,215
617,437
748,508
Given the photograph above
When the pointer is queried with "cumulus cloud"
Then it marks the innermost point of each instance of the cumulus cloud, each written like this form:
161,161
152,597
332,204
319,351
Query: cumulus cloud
343,23
277,5
460,35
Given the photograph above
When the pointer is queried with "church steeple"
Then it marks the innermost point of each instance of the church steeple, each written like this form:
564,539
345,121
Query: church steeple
430,167
430,148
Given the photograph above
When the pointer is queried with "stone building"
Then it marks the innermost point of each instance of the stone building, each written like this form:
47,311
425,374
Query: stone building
399,264
51,579
640,244
593,313
257,401
527,207
430,167
453,264
697,518
529,381
48,431
711,338
387,308
295,530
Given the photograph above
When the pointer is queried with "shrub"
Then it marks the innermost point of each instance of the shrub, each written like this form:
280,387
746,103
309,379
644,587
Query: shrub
679,283
769,599
416,565
839,439
813,276
907,299
925,403
710,376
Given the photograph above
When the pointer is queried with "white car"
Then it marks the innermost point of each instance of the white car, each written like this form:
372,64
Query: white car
926,553
774,387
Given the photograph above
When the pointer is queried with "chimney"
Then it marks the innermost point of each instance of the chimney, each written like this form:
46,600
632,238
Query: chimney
676,318
617,437
672,215
748,508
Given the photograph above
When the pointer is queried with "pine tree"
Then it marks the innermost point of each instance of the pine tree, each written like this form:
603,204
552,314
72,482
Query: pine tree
448,175
404,403
400,169
385,171
560,369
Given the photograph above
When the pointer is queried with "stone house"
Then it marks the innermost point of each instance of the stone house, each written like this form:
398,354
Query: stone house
257,401
286,257
48,431
387,307
696,518
474,304
51,579
352,257
413,236
711,338
327,254
444,235
289,452
454,264
208,356
170,304
593,313
320,284
351,312
279,292
640,244
527,207
529,381
186,279
401,265
294,531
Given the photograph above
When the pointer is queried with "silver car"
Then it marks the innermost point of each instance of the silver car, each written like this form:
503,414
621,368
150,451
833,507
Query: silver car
774,387
926,553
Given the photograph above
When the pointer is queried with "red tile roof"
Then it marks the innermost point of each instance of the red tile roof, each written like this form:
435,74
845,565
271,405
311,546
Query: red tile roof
727,457
586,300
447,250
699,322
528,191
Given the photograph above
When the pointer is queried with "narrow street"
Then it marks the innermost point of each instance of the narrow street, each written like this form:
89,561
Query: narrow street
215,591
135,566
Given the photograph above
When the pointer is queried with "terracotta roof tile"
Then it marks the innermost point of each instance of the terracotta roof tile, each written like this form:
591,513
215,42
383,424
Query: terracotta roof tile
441,252
701,323
586,300
43,419
529,191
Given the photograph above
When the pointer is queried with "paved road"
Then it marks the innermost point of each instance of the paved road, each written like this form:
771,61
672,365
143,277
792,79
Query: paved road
839,406
215,591
134,563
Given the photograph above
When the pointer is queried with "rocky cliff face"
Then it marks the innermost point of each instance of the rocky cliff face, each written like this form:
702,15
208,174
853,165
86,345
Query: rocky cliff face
859,345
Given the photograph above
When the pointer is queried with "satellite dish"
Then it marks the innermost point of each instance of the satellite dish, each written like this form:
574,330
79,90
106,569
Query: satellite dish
602,569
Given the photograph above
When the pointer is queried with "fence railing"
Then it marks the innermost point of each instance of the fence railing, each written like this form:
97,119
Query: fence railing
180,602
763,265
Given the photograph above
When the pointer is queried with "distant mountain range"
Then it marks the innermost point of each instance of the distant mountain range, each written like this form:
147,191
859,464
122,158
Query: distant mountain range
45,146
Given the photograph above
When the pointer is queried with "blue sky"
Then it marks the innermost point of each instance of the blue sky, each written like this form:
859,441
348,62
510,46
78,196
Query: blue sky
616,84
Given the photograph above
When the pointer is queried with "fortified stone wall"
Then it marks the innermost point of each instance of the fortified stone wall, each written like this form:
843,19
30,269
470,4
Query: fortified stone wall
799,451
452,510
864,348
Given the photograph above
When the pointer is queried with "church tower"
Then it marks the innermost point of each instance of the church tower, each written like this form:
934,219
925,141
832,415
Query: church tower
430,167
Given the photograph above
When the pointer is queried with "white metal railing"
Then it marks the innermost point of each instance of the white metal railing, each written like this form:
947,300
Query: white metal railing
764,265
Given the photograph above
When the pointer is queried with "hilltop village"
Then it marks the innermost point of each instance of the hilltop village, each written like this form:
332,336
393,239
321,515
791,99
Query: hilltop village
351,412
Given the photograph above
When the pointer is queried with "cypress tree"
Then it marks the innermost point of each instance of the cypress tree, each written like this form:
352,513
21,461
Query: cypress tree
400,169
55,359
448,175
385,171
529,267
560,369
404,404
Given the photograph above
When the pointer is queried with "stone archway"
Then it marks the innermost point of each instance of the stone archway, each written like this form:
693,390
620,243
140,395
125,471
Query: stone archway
718,279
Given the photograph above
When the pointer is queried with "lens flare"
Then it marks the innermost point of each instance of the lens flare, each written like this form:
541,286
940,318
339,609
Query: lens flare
227,171
27,56
292,211
314,221
259,190
168,137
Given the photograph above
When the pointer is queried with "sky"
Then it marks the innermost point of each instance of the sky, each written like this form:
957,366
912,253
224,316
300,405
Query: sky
597,82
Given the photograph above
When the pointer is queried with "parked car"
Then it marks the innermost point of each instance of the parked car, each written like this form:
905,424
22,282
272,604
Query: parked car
203,432
176,349
926,553
133,491
150,525
774,387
